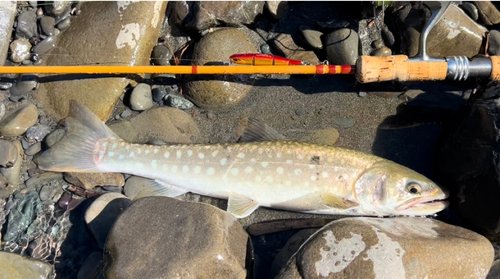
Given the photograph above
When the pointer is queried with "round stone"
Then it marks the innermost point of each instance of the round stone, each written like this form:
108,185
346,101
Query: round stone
47,23
23,87
311,37
45,45
17,121
383,51
161,55
8,153
141,97
20,50
342,47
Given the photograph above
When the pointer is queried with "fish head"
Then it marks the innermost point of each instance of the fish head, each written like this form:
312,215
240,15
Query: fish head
387,188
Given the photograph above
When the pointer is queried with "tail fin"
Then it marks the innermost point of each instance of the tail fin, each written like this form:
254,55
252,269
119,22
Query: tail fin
75,151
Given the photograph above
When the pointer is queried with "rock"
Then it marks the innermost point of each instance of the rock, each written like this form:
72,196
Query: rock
18,120
8,153
26,25
291,247
8,11
389,248
34,149
57,7
23,87
20,50
344,122
102,213
132,28
494,271
470,9
16,266
280,225
161,55
2,110
90,267
179,102
47,23
221,91
205,15
488,12
276,8
135,184
342,47
25,209
13,174
54,137
161,123
91,180
383,51
158,94
286,45
173,228
494,42
141,97
42,179
265,49
64,24
324,136
45,45
37,132
311,37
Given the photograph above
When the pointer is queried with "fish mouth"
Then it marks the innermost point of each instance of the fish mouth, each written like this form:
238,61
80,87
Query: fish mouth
427,205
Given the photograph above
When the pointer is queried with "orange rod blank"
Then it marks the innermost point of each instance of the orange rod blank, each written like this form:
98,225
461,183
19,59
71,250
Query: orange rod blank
227,70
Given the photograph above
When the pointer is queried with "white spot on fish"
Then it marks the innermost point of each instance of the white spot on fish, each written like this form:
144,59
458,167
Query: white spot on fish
248,169
300,156
289,161
264,164
174,168
153,164
155,151
178,153
146,152
289,152
139,151
122,143
185,169
335,169
278,154
297,171
121,157
234,171
253,160
197,169
324,174
260,151
269,155
190,152
129,36
215,153
201,155
114,145
280,170
210,171
132,154
166,155
223,161
164,167
241,155
313,177
127,147
111,154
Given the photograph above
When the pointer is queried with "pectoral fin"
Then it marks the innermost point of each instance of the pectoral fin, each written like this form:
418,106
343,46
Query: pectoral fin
240,206
159,188
259,131
337,202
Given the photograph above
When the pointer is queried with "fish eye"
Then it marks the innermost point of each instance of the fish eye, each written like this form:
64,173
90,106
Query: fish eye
413,188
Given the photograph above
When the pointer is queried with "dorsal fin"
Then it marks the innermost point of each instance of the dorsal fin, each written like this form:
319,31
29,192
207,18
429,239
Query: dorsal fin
257,130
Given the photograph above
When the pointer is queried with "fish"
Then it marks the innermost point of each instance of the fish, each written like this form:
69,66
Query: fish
262,169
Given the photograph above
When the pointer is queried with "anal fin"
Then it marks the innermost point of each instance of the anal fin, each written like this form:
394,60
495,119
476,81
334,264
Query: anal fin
160,188
240,206
337,202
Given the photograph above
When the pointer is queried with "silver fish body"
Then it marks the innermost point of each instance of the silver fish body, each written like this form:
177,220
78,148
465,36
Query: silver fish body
279,174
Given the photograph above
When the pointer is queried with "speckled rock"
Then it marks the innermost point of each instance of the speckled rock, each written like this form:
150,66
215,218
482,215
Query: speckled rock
16,266
132,29
7,16
91,180
389,248
102,213
286,45
18,120
162,123
20,50
342,47
190,240
221,91
8,153
12,173
141,97
324,136
26,25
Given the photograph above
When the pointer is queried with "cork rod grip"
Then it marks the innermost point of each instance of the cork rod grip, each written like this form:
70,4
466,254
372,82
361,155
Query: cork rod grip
495,67
398,67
